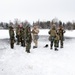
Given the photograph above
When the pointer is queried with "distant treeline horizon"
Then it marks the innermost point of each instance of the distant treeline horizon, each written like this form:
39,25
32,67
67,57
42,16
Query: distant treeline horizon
41,24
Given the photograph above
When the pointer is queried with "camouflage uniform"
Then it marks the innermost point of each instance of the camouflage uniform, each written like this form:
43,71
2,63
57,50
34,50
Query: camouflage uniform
35,32
56,41
22,36
11,33
18,35
28,39
53,37
61,35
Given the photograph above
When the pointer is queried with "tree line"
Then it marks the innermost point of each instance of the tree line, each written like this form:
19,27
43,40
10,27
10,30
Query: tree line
41,24
48,24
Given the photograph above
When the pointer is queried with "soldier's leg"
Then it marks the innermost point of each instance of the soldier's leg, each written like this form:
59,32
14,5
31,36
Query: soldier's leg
52,41
61,43
12,44
24,42
51,45
28,46
17,40
58,43
36,44
21,42
55,45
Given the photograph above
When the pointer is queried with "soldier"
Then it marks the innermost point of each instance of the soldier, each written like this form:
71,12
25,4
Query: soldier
11,33
53,37
18,34
61,32
35,32
22,36
28,38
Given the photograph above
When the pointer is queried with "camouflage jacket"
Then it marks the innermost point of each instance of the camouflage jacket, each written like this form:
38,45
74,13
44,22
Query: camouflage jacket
11,33
52,32
28,36
61,32
35,31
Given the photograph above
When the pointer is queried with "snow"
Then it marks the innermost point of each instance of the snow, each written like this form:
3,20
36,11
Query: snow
41,61
43,32
69,33
4,34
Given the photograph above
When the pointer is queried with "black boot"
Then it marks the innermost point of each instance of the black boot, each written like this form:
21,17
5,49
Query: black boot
12,46
61,47
56,49
34,46
28,51
57,46
51,48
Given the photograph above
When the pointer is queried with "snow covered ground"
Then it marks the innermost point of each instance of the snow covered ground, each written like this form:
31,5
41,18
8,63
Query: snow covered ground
43,32
41,61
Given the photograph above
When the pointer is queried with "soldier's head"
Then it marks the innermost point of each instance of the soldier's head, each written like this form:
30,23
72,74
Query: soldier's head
18,26
60,23
60,26
11,27
28,26
34,26
53,26
28,29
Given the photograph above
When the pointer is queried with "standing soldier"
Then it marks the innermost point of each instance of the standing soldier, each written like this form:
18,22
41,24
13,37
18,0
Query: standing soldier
22,36
35,32
18,34
53,37
11,33
28,38
61,34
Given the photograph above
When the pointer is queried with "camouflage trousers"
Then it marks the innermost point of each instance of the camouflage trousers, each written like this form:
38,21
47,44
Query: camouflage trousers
12,43
54,42
18,39
28,46
23,42
61,41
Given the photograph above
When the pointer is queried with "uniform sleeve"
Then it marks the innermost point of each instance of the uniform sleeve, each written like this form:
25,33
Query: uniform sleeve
49,32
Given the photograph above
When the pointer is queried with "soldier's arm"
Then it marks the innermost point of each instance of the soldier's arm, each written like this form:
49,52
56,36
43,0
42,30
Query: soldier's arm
37,31
32,31
49,32
64,31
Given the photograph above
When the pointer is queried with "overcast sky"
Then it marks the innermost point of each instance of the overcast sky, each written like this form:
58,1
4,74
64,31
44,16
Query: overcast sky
33,10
